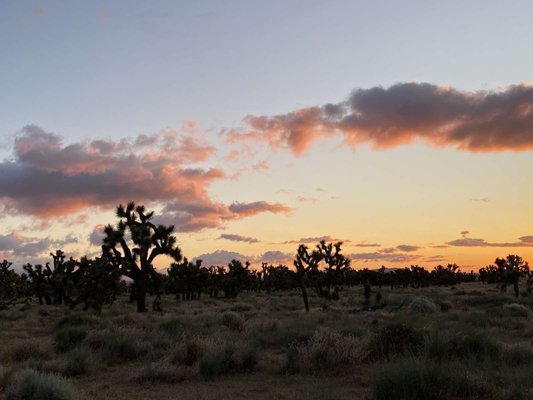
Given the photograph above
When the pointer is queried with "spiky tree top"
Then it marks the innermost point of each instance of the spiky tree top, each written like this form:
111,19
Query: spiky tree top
134,255
306,261
331,254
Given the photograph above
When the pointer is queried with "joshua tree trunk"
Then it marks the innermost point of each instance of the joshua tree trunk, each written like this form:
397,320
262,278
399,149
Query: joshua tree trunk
140,295
304,295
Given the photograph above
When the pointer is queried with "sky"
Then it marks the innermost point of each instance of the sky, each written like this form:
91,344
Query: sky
403,129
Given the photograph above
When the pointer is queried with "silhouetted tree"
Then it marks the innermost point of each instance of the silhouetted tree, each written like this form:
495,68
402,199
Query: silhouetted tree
304,263
134,245
336,265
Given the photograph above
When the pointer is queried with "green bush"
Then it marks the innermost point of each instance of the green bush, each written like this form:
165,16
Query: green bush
416,380
156,373
69,337
227,359
77,362
233,320
476,347
216,362
328,352
396,338
28,349
33,385
172,326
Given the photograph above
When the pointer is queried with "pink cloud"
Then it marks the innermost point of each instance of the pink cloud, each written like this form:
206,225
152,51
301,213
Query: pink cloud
48,179
482,121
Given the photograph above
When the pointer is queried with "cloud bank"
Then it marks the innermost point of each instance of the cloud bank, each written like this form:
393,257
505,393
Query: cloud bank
47,179
480,121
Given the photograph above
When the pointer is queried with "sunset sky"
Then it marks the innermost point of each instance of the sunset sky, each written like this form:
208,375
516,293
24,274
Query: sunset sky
404,129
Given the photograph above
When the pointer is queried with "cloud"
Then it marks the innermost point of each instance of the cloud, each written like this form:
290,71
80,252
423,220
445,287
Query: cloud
384,257
261,166
96,237
220,257
48,179
256,207
276,257
314,239
480,121
365,244
407,248
524,241
480,199
305,199
15,245
238,238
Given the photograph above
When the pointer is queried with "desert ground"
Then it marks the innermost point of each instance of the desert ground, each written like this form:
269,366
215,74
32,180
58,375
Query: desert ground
450,342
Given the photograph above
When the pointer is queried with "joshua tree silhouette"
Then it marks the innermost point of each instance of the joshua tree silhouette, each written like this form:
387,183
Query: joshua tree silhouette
134,245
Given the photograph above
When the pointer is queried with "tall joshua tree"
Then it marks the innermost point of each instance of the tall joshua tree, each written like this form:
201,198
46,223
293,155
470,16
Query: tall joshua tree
304,263
336,265
134,245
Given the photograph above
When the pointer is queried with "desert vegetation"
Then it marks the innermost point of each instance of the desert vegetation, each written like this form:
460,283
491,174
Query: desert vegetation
115,327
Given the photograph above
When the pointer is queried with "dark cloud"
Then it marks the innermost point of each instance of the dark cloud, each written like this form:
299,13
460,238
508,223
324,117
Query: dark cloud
407,248
238,238
15,245
48,179
482,121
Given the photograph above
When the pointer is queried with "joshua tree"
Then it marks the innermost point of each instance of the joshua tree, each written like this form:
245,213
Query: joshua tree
236,278
12,285
40,282
187,279
304,263
511,268
97,283
134,245
336,265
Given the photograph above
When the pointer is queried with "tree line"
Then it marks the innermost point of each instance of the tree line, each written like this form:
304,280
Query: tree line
129,249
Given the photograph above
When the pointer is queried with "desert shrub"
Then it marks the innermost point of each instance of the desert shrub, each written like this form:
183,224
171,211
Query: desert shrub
33,385
216,362
518,354
327,352
516,309
273,333
476,347
117,345
67,338
191,350
77,362
422,305
28,349
121,349
241,307
227,359
6,376
414,379
172,326
445,306
396,338
74,319
233,320
156,373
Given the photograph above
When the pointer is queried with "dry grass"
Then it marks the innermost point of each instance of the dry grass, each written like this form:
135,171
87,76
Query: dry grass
266,347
